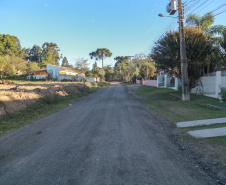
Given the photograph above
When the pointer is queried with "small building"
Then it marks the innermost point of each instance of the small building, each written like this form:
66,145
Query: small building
57,73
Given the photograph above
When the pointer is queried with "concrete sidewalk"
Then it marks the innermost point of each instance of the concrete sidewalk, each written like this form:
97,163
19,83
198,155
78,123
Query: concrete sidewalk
208,132
201,122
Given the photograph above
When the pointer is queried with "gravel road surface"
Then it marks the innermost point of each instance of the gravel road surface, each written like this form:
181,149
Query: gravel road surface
109,137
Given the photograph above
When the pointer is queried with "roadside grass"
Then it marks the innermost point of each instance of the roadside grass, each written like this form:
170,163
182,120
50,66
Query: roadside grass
11,122
176,110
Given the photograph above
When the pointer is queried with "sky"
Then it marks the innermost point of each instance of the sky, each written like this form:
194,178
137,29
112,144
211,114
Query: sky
78,27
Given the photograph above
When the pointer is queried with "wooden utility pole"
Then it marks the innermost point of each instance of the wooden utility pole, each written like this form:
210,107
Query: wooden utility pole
183,57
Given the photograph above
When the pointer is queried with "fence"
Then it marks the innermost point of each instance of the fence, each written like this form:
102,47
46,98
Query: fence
152,83
211,84
168,81
140,82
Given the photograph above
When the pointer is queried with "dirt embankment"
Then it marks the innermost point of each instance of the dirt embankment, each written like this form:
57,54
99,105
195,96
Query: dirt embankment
16,97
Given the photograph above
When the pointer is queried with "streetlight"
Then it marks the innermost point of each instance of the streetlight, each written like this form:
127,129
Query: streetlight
161,15
172,8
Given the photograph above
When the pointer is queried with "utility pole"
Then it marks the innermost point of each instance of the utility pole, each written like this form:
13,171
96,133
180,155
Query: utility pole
171,9
183,57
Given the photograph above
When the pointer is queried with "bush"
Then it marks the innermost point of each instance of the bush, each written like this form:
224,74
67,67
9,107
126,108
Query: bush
94,84
223,94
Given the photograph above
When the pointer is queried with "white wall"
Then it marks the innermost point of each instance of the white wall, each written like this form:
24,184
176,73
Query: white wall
55,71
39,76
223,81
90,79
206,86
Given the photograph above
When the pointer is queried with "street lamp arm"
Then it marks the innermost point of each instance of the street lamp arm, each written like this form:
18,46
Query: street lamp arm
161,15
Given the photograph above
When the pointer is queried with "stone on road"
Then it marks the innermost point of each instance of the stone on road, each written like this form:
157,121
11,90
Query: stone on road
109,137
201,122
214,132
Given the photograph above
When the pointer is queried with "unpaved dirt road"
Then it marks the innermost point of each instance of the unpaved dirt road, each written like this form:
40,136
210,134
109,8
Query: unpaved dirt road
109,137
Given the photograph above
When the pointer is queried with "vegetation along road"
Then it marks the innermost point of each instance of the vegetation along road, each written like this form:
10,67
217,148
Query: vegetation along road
109,137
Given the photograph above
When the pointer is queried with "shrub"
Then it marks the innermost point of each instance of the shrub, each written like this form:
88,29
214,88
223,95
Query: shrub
223,94
94,84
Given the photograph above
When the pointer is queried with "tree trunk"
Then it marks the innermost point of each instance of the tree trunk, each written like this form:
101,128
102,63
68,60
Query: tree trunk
103,63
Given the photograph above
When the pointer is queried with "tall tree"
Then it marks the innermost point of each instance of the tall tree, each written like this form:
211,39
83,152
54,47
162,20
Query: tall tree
109,73
205,22
223,43
10,45
35,54
31,67
65,62
50,54
145,66
166,53
82,65
122,65
100,54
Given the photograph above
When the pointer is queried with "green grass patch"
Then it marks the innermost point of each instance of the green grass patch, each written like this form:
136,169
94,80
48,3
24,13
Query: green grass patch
177,110
11,122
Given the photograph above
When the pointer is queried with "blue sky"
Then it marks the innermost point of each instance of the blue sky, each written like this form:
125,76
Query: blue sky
78,27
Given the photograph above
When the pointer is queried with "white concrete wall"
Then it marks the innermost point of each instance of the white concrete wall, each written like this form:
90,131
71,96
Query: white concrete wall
223,81
90,79
160,81
65,77
39,76
55,71
206,86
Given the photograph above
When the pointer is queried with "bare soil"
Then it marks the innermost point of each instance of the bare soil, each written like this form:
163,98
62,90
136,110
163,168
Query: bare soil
16,97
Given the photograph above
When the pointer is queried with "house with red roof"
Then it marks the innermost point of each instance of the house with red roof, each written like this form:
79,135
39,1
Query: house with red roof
57,73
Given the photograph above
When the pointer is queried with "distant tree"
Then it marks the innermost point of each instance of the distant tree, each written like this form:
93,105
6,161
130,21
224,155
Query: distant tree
144,63
19,65
81,65
89,74
101,74
31,67
120,59
65,62
4,60
10,45
122,65
95,69
50,54
34,54
109,73
100,54
95,75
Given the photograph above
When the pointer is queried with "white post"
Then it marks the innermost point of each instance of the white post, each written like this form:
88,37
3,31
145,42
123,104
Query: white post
165,81
218,84
176,84
157,82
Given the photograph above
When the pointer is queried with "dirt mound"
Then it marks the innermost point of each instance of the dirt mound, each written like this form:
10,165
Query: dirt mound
23,95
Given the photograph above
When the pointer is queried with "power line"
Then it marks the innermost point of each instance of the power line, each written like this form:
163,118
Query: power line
220,12
219,7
